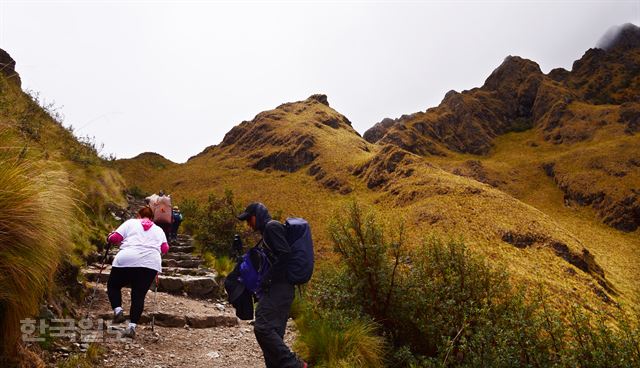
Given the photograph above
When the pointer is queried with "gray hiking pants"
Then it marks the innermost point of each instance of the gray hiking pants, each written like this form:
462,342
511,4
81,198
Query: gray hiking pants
270,325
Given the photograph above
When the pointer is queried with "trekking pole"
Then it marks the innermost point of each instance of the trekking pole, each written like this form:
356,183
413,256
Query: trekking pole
155,305
95,288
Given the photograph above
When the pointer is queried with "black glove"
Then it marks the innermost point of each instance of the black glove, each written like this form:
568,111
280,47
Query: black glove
237,244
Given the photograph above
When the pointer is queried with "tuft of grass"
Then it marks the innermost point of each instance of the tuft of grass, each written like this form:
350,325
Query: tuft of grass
88,359
330,344
37,210
222,264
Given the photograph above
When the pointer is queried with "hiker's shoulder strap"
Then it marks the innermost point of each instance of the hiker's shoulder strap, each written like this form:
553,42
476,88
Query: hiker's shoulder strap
275,237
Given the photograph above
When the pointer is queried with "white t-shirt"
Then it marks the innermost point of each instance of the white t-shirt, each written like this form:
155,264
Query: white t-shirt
139,248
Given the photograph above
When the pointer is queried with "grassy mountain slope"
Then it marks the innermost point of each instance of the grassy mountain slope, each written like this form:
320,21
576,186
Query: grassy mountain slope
55,195
32,132
533,169
304,159
596,102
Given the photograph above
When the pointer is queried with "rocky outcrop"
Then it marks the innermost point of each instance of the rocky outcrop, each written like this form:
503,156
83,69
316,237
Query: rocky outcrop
475,170
582,260
624,37
391,162
518,96
376,132
331,182
8,68
295,152
286,138
618,207
320,98
468,122
610,74
630,117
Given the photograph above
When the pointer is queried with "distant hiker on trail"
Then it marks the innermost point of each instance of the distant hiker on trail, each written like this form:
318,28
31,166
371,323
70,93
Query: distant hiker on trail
162,215
137,263
276,292
177,220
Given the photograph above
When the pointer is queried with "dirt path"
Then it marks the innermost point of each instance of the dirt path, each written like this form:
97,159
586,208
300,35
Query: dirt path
195,327
224,346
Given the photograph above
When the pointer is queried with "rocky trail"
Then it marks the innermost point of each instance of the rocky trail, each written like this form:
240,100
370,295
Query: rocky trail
194,325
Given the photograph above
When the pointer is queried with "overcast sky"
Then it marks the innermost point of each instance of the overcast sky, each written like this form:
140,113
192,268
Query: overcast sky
174,76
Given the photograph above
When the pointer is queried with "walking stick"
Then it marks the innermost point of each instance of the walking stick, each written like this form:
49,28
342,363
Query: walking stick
95,288
155,305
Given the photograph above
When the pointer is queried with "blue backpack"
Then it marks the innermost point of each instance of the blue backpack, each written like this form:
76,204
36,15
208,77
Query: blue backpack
255,263
300,265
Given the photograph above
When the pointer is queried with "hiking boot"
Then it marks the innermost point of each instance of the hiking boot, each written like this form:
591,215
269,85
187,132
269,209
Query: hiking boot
119,317
130,332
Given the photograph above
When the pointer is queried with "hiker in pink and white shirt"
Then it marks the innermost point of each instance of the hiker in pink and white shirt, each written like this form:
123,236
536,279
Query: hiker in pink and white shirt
136,264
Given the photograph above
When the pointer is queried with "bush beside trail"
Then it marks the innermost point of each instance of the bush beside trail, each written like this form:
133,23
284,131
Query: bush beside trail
440,305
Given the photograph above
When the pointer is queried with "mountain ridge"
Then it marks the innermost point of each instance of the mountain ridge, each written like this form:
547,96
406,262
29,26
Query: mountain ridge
496,164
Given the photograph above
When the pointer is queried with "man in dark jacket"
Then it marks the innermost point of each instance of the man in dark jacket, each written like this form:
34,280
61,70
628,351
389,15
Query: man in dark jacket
277,296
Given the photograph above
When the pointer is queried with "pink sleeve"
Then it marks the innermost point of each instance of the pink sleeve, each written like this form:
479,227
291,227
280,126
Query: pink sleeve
115,238
164,248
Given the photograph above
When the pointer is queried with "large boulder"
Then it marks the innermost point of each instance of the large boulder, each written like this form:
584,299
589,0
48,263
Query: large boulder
170,284
201,287
200,321
8,68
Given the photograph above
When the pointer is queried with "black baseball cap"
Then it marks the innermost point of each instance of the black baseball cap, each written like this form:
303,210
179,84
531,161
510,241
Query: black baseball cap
248,212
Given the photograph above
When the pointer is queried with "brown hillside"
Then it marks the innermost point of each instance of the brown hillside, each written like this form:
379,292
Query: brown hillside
597,101
303,157
526,168
144,167
35,133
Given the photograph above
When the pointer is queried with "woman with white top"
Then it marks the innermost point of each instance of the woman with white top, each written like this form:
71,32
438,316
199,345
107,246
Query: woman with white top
136,264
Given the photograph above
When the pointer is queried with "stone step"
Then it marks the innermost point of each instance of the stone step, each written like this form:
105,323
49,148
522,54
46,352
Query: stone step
173,271
183,241
186,263
200,287
182,249
184,237
194,286
180,256
179,320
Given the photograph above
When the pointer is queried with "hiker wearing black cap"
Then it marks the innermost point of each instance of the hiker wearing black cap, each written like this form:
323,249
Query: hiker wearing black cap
277,292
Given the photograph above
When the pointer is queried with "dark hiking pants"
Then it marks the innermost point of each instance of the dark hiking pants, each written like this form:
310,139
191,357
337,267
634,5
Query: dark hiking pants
270,325
140,279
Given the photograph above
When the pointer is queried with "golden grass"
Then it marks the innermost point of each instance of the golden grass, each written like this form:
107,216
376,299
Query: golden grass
355,345
88,359
37,211
53,195
434,201
519,165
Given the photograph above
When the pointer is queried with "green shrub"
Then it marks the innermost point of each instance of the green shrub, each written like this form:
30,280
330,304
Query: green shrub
367,250
213,223
440,305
